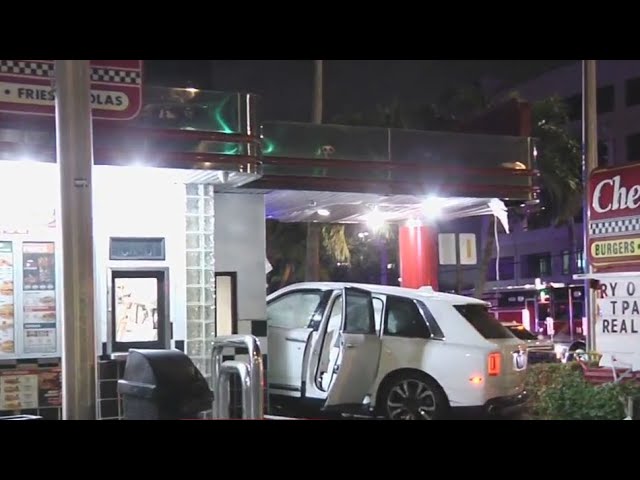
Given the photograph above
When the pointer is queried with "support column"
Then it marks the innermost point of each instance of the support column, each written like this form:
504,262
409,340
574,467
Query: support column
75,159
418,253
589,162
201,314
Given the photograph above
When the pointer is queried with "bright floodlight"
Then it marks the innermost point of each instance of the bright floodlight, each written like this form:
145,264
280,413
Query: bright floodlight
323,212
432,207
375,219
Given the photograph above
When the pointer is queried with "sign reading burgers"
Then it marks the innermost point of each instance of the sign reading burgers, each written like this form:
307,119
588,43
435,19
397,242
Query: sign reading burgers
614,219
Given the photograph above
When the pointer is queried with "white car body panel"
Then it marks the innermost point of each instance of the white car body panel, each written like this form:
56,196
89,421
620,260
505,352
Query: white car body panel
452,360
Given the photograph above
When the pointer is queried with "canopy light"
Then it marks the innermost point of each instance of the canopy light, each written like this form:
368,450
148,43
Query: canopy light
375,219
432,207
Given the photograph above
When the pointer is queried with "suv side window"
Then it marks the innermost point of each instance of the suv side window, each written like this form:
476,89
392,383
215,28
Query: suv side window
294,310
403,319
378,307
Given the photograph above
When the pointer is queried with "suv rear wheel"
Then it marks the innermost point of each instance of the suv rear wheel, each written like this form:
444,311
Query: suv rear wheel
411,396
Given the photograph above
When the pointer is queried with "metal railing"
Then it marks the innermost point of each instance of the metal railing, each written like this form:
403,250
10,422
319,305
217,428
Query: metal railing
251,376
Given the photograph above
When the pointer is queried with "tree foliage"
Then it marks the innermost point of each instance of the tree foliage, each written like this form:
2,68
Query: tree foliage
558,152
558,159
335,243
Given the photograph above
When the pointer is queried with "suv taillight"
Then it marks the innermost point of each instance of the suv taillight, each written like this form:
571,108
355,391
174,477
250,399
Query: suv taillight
494,364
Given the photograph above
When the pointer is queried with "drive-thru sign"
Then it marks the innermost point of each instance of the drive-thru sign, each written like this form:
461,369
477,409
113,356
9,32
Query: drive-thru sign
27,87
614,253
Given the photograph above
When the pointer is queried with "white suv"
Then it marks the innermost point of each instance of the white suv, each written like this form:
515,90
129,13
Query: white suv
401,353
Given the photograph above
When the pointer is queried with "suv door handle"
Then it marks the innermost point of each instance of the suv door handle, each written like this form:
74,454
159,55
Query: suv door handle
295,340
349,345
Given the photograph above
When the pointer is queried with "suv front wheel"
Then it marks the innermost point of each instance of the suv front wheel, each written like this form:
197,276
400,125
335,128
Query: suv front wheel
411,396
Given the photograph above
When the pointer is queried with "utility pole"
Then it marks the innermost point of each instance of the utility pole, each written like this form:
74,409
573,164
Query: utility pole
589,162
312,260
74,145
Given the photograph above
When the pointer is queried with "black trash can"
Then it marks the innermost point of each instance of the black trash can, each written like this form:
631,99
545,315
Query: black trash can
163,385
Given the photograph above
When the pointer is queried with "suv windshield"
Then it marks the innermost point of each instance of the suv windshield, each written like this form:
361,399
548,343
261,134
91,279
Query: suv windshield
521,332
486,324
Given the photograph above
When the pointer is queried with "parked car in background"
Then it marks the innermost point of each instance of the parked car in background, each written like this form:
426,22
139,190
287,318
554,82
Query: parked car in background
395,352
539,348
567,343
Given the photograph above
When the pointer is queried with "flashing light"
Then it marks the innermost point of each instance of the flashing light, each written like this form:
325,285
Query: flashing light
476,380
526,319
544,295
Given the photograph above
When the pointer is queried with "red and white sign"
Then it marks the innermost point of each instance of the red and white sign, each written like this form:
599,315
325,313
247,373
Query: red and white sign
26,87
614,218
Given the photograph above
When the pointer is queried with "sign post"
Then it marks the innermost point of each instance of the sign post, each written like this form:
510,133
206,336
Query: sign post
589,162
75,160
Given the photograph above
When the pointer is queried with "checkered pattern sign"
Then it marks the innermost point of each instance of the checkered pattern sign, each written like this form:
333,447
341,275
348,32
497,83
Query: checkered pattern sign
115,76
45,70
618,226
27,88
31,69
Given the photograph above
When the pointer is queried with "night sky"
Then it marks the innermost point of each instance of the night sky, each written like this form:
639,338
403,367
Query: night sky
350,85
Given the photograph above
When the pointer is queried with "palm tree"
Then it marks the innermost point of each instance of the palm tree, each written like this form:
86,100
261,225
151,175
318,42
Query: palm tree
559,164
558,152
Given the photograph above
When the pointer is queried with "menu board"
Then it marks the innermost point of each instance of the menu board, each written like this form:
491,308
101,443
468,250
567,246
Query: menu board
50,388
7,310
18,390
38,266
29,389
39,297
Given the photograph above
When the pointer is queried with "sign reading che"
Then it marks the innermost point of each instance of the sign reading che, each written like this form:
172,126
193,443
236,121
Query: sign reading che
614,219
26,87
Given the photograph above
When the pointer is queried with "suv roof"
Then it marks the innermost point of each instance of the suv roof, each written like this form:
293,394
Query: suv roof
421,293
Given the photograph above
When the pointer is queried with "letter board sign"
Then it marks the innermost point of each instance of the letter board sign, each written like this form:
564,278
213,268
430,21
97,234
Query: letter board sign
614,219
618,321
26,87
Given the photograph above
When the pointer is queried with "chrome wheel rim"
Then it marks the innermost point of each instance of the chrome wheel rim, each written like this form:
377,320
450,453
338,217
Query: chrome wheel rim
411,400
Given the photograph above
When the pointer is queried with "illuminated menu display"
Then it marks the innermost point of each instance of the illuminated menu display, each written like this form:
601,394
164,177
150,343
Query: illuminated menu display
39,297
7,308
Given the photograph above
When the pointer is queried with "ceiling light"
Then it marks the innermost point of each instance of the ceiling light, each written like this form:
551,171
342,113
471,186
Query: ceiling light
432,207
375,219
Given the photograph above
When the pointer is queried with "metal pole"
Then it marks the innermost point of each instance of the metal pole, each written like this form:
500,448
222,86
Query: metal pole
256,371
589,162
312,256
75,160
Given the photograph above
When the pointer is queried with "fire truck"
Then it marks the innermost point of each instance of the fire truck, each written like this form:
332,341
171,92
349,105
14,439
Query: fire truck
550,309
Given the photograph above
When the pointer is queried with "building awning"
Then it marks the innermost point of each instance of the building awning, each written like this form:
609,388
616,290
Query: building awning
605,275
348,207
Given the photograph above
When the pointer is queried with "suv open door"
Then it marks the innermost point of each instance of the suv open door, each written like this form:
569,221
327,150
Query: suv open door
357,364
